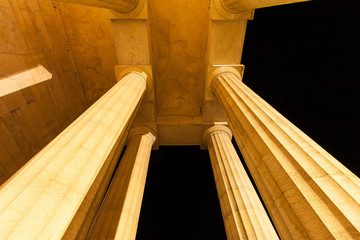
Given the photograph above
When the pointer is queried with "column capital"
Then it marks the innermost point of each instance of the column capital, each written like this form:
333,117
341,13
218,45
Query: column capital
119,213
142,130
142,72
243,214
215,129
224,11
214,74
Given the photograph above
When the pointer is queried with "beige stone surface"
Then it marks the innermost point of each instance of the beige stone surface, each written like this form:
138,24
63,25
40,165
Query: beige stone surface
131,42
119,213
178,43
309,194
31,115
91,41
226,41
243,214
23,80
79,46
62,182
178,34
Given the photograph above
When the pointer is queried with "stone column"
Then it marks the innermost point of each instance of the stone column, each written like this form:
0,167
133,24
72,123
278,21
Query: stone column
122,6
57,188
236,6
243,214
309,194
119,213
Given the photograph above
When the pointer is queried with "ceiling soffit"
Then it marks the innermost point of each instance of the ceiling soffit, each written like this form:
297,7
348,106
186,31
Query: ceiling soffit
179,31
176,42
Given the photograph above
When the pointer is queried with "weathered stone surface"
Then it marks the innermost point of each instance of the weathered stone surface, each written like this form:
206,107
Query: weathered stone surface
243,214
308,193
119,213
178,37
60,186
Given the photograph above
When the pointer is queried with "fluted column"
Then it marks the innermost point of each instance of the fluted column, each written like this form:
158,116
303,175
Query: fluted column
243,214
119,213
309,194
122,6
236,6
61,182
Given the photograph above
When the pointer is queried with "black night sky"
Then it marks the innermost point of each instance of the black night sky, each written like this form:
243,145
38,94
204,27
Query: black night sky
303,59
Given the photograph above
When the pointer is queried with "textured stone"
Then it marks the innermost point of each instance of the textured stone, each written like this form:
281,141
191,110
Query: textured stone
57,189
119,213
308,193
244,215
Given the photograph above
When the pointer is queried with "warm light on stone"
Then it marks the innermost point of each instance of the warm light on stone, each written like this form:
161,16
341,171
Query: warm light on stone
308,193
243,214
175,67
62,182
119,213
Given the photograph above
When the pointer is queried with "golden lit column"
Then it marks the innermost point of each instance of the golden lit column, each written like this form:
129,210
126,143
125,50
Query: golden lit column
309,194
122,6
243,214
57,188
119,213
236,6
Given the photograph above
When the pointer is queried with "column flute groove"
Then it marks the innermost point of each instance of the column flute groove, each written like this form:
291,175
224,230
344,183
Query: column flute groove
118,216
243,214
293,139
52,186
308,192
332,161
63,138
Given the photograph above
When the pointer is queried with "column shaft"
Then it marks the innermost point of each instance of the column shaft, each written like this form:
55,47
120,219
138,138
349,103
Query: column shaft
241,5
308,193
243,214
60,183
119,213
122,6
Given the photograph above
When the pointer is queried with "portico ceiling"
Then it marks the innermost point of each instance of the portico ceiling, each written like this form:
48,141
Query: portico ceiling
184,39
179,32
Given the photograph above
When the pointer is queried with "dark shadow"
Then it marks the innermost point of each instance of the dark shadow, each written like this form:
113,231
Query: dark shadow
180,198
303,59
